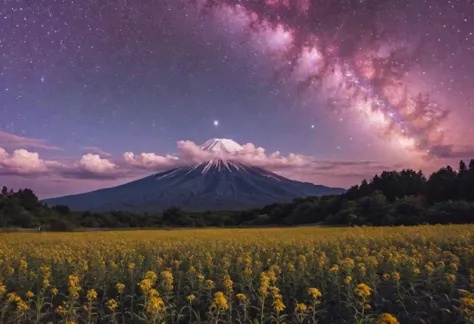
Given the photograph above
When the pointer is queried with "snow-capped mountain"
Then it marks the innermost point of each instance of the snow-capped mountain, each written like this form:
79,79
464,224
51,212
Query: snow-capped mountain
216,184
222,145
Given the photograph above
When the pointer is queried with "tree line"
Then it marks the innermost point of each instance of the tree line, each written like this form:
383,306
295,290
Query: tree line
404,197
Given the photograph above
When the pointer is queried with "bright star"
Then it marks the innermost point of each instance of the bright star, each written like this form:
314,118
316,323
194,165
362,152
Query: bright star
312,126
216,123
42,79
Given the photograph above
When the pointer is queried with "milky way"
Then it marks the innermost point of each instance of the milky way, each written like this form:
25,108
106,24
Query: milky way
341,84
348,53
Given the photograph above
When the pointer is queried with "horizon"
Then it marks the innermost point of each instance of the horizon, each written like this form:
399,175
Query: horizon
133,91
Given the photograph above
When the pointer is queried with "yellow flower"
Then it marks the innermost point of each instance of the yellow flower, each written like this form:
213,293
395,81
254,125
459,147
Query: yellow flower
155,305
228,283
21,305
275,292
151,276
120,287
74,287
23,265
386,276
278,305
334,269
291,267
440,264
396,276
453,266
416,271
301,308
70,321
467,302
464,293
61,311
314,293
167,279
91,295
220,301
348,263
145,285
153,293
241,297
264,284
131,266
387,318
54,291
302,259
362,290
348,280
429,267
112,304
191,298
29,294
45,283
209,284
272,276
11,297
451,277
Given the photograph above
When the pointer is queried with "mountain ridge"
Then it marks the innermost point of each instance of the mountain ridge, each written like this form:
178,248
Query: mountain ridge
217,184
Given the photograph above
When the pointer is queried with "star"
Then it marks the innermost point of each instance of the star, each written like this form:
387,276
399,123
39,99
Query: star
42,79
216,123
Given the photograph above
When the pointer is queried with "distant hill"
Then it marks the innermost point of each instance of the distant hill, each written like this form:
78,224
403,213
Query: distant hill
213,185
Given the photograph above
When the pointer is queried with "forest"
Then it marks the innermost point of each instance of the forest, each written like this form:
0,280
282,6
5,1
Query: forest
391,198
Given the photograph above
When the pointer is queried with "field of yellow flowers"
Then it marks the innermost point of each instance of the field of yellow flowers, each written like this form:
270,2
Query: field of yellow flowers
294,275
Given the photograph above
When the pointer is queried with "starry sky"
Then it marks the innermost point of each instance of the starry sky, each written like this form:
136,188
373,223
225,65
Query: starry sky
96,93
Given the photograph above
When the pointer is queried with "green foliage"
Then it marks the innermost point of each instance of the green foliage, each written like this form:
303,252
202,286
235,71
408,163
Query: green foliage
389,199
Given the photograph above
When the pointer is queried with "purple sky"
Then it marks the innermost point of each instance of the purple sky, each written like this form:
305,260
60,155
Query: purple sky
85,84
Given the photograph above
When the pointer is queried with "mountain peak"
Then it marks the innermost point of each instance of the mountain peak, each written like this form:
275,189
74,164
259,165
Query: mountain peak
224,145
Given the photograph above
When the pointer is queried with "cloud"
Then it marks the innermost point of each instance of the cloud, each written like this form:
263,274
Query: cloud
295,166
452,151
15,141
92,166
150,161
25,163
190,153
93,171
95,150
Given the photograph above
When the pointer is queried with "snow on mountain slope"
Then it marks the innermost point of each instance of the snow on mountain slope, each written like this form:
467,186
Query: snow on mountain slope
221,145
214,185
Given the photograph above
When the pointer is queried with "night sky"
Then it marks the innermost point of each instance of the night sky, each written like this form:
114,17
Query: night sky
96,93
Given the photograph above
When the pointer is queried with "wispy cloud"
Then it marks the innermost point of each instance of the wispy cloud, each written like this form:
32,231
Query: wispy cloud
15,141
452,151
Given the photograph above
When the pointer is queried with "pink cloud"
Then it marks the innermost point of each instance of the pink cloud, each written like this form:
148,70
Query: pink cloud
150,161
15,141
189,153
95,150
95,164
23,162
94,171
92,166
